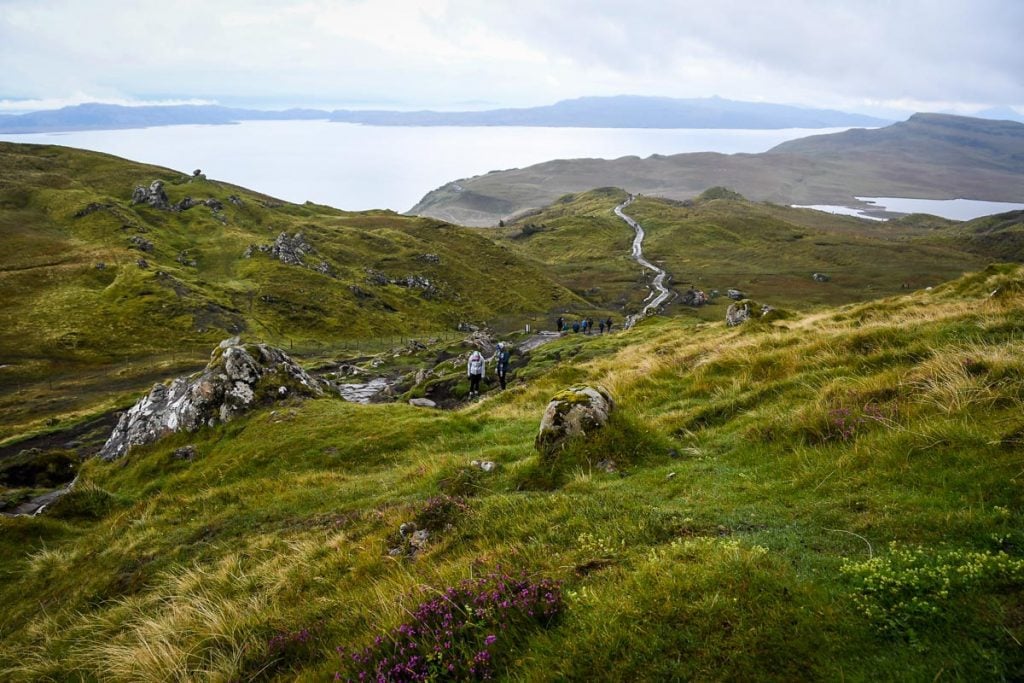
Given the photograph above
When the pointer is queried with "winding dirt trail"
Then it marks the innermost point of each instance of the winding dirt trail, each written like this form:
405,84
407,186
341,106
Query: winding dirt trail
659,292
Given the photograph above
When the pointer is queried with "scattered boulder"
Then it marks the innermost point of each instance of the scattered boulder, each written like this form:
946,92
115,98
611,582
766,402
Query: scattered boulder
186,260
153,196
735,294
100,265
185,453
694,297
376,277
485,465
141,243
573,412
482,339
142,263
92,208
422,403
359,292
238,378
235,199
820,277
429,258
737,314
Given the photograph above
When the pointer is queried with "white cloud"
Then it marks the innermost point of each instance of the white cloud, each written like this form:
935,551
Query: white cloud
939,53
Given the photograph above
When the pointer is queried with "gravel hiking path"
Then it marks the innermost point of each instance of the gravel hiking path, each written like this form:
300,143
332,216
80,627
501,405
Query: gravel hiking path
659,292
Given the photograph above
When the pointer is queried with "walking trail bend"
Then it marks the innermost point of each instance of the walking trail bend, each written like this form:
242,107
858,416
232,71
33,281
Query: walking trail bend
659,292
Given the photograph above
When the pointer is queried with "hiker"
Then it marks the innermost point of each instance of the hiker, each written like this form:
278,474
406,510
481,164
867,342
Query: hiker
608,324
583,324
504,357
590,324
600,326
576,327
475,370
560,323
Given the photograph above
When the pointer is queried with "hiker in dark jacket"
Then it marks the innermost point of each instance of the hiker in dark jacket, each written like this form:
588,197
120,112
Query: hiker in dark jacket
608,324
600,326
504,356
561,323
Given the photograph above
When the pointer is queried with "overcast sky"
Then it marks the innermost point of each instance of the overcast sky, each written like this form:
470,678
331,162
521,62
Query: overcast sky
862,55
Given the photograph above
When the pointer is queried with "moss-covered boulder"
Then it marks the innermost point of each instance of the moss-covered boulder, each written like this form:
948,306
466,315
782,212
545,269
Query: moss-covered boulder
576,411
238,378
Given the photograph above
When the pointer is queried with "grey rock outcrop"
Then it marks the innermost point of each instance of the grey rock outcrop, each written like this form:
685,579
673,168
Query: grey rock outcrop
735,294
238,378
737,314
820,277
289,249
153,196
576,411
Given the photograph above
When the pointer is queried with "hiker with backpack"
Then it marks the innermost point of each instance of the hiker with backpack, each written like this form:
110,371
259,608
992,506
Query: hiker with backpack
475,370
504,356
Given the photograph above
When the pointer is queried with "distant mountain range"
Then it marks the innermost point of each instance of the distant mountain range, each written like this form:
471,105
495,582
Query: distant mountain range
626,111
115,116
929,156
586,112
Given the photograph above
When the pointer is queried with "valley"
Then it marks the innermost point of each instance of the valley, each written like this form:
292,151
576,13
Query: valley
827,490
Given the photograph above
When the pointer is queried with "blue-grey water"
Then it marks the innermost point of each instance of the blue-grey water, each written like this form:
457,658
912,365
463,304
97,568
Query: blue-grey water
356,167
955,209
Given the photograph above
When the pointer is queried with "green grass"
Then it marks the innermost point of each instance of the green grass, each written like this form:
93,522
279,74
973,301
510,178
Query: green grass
65,320
768,478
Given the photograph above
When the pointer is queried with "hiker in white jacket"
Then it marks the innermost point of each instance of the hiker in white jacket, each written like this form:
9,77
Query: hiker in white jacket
475,369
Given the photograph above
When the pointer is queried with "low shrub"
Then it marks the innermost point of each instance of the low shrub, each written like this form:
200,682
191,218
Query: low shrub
461,634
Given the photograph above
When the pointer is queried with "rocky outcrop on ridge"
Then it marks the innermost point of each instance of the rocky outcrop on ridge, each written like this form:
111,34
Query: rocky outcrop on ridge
154,196
238,378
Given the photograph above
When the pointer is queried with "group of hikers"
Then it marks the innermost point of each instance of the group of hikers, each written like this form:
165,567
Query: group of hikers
584,325
477,363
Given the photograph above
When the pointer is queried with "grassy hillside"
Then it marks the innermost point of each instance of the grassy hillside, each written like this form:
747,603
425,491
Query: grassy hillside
833,497
94,285
721,241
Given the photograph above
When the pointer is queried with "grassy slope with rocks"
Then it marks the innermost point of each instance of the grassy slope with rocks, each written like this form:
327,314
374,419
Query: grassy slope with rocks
721,241
829,497
74,335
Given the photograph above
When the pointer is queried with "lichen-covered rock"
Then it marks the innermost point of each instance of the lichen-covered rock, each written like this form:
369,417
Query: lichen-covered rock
578,410
737,314
238,378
